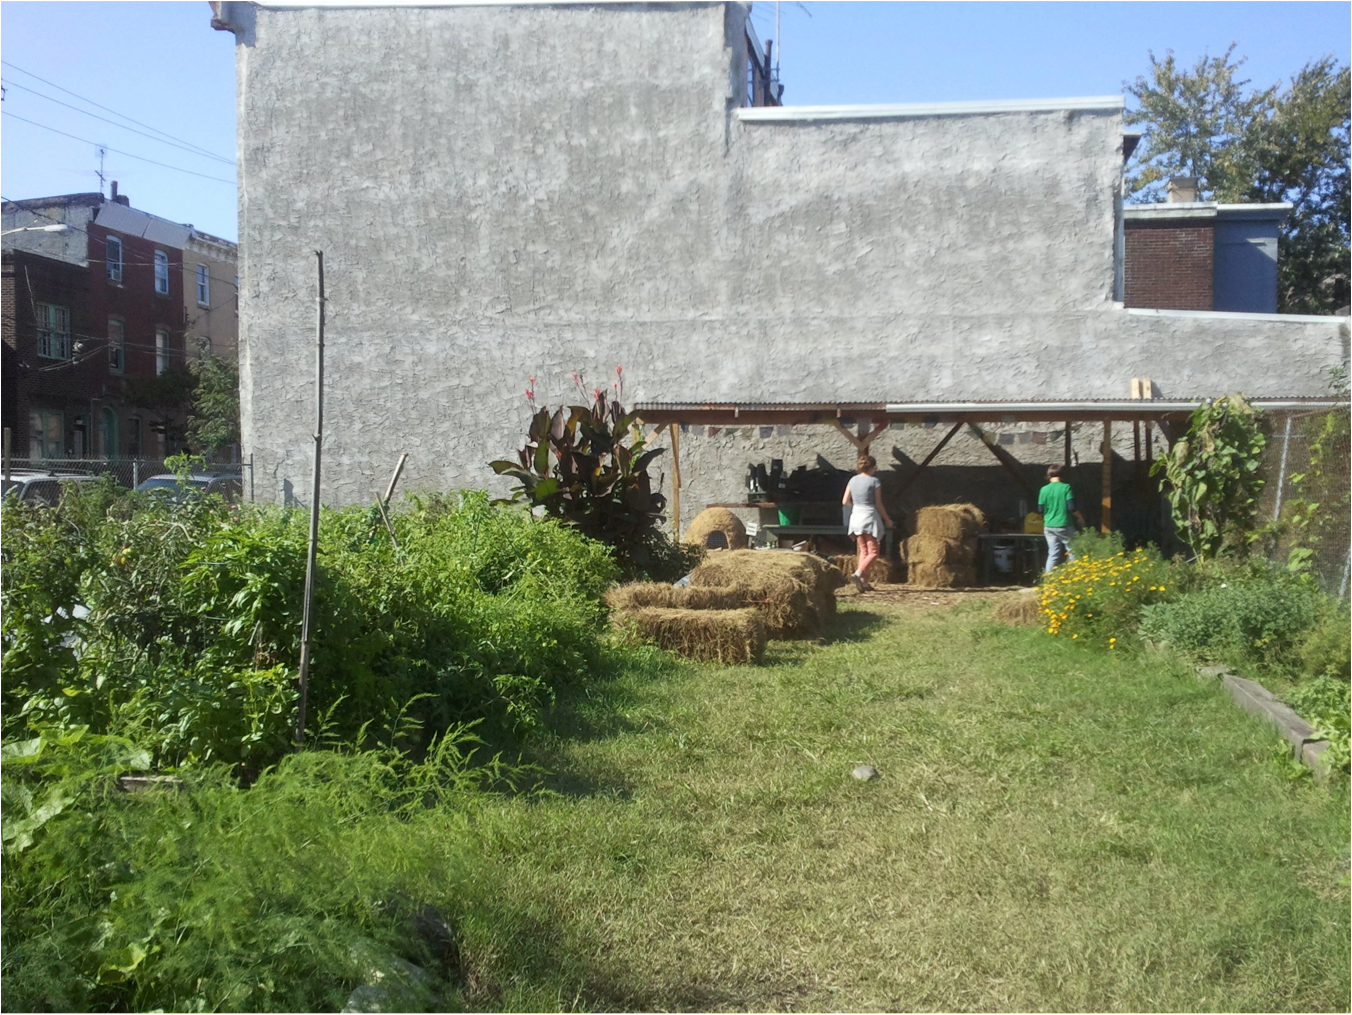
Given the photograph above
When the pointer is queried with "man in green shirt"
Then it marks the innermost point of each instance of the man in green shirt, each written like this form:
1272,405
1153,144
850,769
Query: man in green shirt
1056,504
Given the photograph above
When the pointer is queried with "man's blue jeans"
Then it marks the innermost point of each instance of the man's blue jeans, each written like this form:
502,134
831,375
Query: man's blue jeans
1058,544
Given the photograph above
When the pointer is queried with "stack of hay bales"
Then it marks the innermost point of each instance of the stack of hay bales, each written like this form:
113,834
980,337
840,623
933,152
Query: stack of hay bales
880,572
734,602
716,521
942,553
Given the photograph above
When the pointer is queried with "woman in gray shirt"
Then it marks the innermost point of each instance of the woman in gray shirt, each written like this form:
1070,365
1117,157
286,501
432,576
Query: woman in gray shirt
868,517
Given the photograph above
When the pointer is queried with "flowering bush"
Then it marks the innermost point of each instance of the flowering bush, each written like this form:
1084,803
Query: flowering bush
1099,599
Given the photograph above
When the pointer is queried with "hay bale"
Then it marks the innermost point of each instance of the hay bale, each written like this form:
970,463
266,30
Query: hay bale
723,636
937,576
880,572
720,520
638,595
794,592
922,549
1019,610
949,521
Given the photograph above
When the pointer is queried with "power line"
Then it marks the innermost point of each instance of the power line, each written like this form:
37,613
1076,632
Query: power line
122,126
96,105
129,155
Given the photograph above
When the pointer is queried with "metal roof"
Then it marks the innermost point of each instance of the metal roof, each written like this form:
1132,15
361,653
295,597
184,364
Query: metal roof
986,410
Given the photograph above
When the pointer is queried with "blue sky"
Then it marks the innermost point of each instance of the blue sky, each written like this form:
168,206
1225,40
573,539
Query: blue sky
161,64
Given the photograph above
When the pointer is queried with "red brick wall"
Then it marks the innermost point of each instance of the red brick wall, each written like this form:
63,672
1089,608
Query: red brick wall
64,386
1168,265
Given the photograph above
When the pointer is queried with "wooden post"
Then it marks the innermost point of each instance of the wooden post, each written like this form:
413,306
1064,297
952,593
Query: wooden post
398,471
1067,444
1106,523
306,617
676,479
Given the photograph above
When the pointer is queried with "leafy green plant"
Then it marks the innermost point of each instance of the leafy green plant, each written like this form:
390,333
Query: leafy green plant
1213,476
587,465
1326,703
1255,621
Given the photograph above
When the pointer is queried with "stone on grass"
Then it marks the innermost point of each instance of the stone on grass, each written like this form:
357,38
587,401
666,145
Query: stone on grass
865,773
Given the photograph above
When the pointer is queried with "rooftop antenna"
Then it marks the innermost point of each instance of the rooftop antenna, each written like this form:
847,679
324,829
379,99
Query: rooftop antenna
103,152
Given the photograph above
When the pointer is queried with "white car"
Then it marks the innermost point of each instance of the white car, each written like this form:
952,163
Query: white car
41,486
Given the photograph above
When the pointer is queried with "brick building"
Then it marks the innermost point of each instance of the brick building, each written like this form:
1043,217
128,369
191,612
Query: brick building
1187,254
96,314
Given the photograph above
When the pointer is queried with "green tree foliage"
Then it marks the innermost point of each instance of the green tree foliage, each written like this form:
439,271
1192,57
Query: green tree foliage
1275,144
214,421
1213,476
165,399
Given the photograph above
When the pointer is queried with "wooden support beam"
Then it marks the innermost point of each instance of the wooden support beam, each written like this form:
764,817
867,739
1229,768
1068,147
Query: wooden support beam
928,458
861,444
676,478
1106,523
1006,459
1068,461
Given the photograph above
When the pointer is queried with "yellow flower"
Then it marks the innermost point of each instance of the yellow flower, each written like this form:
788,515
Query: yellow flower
1074,635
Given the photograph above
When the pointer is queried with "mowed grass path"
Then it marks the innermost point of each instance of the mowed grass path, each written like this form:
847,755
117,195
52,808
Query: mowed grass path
1055,829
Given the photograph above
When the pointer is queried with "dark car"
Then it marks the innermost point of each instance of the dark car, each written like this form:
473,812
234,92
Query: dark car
227,484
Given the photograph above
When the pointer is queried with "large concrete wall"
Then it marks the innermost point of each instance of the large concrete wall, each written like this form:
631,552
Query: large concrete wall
513,192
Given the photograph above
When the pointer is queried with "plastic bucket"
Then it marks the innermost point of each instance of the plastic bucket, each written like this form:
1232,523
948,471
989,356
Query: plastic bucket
790,514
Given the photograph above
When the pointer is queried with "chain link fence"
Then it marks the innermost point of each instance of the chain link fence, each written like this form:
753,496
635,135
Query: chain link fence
128,472
1309,475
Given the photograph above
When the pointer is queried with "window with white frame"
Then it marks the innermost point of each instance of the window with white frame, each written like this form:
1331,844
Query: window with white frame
114,258
162,273
117,346
53,331
46,434
203,286
161,350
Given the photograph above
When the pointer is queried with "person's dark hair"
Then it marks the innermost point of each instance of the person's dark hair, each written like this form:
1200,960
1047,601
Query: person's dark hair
1055,471
865,462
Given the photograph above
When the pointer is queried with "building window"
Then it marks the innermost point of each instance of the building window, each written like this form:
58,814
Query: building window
161,351
114,257
53,331
117,348
236,295
162,273
203,286
134,436
46,434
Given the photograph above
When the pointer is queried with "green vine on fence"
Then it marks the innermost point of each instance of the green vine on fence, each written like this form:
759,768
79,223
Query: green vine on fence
1214,477
1322,499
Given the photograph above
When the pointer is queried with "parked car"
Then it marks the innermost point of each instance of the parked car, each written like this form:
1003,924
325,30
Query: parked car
228,484
40,486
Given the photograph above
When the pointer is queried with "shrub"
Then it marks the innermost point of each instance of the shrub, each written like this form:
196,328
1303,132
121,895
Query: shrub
1326,703
1249,621
194,619
1099,599
1326,649
283,898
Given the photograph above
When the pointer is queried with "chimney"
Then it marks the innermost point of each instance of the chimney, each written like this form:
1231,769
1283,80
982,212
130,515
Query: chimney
123,199
1183,189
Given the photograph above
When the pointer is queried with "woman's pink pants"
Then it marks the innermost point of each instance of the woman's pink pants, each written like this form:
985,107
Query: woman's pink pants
868,553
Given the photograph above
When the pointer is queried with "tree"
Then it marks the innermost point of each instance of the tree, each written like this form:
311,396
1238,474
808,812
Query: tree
1276,144
214,421
165,400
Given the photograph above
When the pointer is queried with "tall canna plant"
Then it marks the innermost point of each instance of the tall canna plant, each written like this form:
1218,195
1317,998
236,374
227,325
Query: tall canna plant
588,466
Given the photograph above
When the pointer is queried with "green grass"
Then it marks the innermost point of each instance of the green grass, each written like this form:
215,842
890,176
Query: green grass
1055,828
